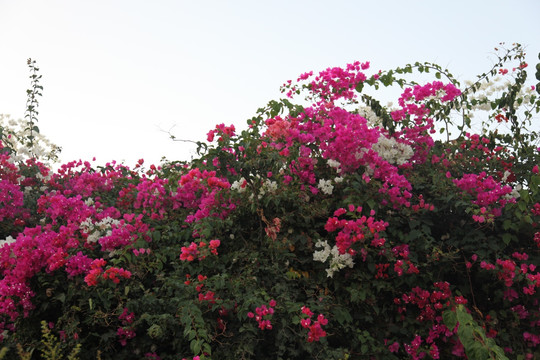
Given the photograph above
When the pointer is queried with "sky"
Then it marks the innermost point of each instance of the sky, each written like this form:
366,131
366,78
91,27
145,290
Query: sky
119,74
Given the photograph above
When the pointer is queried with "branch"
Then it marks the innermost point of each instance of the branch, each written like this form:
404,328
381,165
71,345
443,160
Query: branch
173,138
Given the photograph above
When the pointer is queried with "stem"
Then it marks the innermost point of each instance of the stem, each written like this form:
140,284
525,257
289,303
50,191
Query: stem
32,102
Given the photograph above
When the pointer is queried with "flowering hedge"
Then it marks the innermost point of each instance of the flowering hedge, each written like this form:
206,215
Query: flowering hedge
336,229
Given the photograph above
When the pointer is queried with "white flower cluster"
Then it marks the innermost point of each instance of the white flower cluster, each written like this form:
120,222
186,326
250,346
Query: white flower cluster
99,229
392,151
439,94
269,187
337,166
515,193
44,179
7,241
15,134
367,113
506,175
334,164
496,86
337,261
238,185
326,186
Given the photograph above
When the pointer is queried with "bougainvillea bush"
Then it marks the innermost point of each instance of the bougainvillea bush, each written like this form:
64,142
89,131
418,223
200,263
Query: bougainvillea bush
333,227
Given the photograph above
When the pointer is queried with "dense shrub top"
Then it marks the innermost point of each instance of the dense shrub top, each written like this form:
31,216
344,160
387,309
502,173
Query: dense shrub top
336,229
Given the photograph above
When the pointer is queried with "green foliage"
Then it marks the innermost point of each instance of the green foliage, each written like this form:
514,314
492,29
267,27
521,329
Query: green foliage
472,336
51,348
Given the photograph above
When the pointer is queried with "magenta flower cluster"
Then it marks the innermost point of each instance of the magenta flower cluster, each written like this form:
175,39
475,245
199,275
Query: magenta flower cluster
360,230
263,315
315,332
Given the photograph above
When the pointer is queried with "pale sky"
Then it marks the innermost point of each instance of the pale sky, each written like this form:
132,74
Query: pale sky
116,72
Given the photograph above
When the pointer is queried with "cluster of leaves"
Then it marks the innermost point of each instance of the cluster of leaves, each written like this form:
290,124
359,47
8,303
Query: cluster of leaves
326,231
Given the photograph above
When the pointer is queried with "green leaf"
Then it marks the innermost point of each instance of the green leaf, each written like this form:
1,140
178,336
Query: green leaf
195,346
466,335
450,319
414,234
477,352
364,349
506,237
463,316
61,297
342,315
